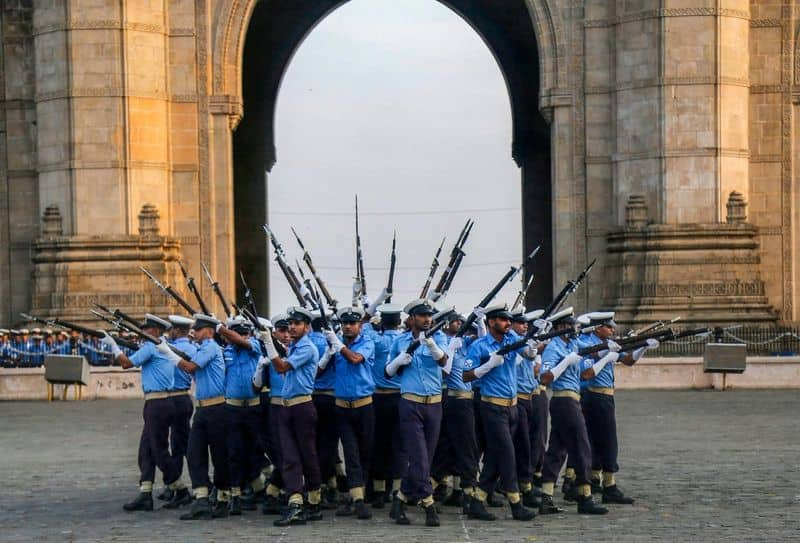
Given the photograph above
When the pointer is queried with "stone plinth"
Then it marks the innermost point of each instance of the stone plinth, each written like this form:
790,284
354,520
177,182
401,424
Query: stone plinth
707,273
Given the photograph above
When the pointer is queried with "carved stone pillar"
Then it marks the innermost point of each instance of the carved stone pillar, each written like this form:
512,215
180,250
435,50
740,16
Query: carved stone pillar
71,272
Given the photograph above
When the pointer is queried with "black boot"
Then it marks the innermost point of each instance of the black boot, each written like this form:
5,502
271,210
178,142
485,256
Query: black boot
441,492
431,516
586,506
313,512
570,490
292,516
378,500
212,496
329,498
272,506
597,486
362,512
346,509
201,509
477,510
466,504
493,501
166,494
235,507
612,494
456,499
180,497
220,509
142,502
547,506
398,511
520,512
529,499
250,499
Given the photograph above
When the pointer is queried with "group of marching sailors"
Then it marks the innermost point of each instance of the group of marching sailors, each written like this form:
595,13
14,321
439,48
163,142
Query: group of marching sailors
379,405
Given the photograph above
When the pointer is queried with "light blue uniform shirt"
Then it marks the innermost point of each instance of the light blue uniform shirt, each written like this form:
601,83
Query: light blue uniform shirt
383,346
455,379
423,376
157,370
555,351
354,381
303,358
500,382
183,380
276,381
326,379
210,376
606,377
240,365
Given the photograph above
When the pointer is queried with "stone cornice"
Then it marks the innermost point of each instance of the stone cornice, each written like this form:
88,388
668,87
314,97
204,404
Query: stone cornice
97,24
666,12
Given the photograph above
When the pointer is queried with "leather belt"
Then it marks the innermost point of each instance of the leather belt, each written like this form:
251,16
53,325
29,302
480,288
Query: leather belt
324,392
175,393
567,394
355,404
276,400
460,394
535,392
387,391
208,402
542,388
297,400
502,402
248,402
264,389
416,398
524,395
155,395
608,391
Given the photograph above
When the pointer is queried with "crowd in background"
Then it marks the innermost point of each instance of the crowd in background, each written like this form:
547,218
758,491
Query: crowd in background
27,348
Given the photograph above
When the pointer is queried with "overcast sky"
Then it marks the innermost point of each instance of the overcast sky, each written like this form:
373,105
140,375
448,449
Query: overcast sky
403,104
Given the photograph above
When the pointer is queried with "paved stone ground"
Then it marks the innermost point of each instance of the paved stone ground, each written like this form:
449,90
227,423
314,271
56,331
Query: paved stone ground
702,465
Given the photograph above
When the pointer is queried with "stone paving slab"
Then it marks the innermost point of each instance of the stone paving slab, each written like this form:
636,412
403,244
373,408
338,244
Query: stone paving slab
703,466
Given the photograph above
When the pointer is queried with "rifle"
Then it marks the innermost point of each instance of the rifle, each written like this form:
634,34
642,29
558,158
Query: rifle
456,255
193,289
521,295
307,259
432,272
119,315
634,342
251,302
217,291
309,287
654,326
414,345
360,276
520,343
280,258
392,265
141,333
170,292
507,278
77,328
568,289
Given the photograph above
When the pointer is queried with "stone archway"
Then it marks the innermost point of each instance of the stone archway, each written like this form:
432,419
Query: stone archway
523,36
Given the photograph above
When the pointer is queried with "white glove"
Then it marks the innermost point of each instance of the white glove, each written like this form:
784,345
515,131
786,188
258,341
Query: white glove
323,362
494,361
269,346
455,344
480,321
373,307
304,292
613,346
543,325
264,335
402,359
610,358
570,360
531,349
333,340
479,312
164,349
258,376
638,353
436,352
356,292
653,343
218,327
109,342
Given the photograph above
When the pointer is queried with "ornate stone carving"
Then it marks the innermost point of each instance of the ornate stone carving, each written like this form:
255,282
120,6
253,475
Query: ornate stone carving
148,221
52,223
737,208
636,211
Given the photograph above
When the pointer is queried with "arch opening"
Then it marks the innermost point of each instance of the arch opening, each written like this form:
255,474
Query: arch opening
276,30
